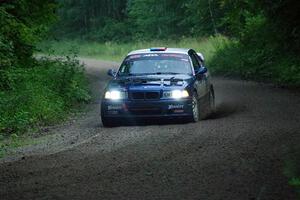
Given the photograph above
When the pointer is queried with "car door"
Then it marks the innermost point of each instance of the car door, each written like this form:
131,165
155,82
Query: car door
200,83
206,75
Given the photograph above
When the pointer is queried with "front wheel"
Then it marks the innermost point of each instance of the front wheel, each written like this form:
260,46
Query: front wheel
108,122
195,109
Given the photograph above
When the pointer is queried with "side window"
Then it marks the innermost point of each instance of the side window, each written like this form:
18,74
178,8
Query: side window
195,62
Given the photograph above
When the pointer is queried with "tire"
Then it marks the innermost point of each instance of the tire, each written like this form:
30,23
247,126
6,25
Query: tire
195,108
108,122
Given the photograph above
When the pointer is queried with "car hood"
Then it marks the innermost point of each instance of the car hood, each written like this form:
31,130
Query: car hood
151,82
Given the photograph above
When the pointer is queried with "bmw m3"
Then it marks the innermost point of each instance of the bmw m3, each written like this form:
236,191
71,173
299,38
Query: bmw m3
159,83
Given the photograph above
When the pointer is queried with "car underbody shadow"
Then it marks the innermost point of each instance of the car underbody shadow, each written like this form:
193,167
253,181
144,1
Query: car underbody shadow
150,121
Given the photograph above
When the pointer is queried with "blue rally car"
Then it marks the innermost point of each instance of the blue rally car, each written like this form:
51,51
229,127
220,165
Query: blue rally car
159,83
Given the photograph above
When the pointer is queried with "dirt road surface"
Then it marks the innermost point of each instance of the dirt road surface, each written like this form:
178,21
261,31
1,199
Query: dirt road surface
237,155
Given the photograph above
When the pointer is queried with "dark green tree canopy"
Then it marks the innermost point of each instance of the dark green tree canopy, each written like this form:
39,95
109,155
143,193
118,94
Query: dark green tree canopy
23,23
104,20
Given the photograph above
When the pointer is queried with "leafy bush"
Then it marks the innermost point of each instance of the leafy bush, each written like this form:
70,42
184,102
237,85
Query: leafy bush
257,64
41,95
33,92
257,55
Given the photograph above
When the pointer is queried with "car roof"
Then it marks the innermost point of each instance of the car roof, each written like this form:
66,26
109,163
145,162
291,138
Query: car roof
167,50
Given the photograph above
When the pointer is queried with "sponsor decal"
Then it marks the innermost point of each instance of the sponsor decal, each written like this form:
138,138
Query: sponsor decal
173,55
175,106
150,55
114,107
135,56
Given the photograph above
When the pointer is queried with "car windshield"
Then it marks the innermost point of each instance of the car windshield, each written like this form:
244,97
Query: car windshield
155,63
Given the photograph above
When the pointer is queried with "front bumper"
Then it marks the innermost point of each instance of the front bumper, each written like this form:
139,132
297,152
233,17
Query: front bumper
143,109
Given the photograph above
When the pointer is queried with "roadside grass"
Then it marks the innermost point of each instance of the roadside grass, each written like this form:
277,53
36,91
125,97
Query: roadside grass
8,145
114,51
35,96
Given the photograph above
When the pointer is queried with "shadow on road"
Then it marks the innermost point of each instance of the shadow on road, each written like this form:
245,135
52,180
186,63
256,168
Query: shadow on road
225,110
150,121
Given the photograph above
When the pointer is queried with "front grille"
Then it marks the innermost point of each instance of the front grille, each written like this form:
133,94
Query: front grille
152,95
145,95
137,95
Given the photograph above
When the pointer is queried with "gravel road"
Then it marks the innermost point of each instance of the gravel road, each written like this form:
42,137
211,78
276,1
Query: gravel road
237,155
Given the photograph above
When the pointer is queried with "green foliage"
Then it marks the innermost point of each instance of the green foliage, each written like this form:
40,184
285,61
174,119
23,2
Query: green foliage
23,23
120,20
202,17
143,19
265,34
33,92
91,19
153,19
116,50
284,17
256,64
113,30
41,95
258,55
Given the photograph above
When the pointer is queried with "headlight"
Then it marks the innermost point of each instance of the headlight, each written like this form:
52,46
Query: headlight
115,95
176,94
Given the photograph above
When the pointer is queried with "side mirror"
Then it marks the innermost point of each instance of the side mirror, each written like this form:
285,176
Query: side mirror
201,70
112,72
